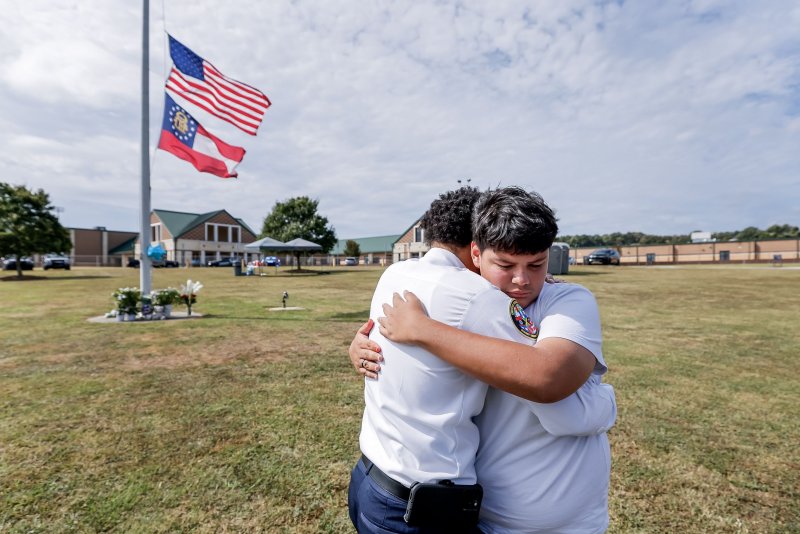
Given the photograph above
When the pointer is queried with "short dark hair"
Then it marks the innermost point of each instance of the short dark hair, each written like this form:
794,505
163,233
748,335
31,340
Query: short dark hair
510,219
449,219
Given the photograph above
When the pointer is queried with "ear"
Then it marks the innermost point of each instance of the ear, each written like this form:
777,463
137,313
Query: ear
475,252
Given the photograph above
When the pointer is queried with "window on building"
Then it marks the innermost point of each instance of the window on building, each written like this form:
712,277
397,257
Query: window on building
419,234
224,233
155,232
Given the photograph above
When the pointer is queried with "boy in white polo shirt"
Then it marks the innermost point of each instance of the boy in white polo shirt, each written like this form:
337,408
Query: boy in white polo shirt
417,422
540,471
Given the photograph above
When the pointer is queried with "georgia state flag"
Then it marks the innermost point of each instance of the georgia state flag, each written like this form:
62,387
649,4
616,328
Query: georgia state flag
186,138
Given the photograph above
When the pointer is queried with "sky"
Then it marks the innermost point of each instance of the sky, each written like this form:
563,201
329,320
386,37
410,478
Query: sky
651,116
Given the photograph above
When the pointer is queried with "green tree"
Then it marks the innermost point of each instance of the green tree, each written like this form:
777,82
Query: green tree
351,248
782,231
27,224
751,233
723,236
298,217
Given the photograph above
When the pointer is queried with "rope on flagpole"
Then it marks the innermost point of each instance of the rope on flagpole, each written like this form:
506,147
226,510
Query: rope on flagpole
165,70
165,67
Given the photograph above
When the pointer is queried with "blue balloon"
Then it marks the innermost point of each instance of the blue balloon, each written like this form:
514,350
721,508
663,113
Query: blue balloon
156,252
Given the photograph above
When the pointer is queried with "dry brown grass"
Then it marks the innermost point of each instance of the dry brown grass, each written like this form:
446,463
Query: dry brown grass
247,420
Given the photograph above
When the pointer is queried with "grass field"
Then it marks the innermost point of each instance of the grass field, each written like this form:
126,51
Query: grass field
247,420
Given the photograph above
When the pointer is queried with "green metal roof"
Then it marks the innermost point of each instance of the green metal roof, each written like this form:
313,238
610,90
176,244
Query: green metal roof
179,222
125,246
367,245
413,224
246,227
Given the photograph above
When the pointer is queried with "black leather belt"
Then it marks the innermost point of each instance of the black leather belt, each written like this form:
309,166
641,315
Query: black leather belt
385,481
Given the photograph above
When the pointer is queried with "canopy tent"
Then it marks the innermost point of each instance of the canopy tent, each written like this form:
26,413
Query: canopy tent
296,247
301,245
268,244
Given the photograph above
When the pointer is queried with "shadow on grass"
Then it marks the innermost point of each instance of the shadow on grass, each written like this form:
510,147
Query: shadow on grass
292,315
32,278
572,274
361,316
288,274
299,272
268,316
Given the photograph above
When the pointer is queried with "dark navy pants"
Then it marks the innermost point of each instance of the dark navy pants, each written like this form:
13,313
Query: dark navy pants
374,510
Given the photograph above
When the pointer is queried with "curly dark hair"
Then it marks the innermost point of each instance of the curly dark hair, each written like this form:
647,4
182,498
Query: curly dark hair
449,219
510,219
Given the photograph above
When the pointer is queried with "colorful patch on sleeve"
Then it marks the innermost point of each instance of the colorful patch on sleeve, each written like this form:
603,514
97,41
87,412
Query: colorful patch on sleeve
522,321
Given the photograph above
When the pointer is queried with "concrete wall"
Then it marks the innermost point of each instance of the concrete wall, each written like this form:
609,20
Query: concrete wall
737,251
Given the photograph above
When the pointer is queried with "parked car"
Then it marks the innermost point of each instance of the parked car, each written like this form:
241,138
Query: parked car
351,261
224,262
133,262
55,261
272,261
10,263
603,256
166,263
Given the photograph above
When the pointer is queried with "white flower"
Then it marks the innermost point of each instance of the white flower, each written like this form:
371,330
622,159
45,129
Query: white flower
191,288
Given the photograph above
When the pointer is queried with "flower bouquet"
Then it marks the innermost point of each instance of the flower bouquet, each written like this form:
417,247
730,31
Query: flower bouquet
163,299
188,294
127,299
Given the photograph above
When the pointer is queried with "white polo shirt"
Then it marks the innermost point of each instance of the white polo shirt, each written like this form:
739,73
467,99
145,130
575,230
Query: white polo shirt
546,467
417,423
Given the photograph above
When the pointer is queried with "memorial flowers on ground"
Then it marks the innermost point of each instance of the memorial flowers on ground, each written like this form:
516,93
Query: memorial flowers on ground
188,294
155,305
165,297
127,299
163,300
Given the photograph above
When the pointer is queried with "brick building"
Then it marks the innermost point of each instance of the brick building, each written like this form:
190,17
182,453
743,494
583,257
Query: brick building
411,243
196,238
187,237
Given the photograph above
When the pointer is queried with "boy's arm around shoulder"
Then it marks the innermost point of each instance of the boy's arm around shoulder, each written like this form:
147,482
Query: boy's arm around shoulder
590,410
550,371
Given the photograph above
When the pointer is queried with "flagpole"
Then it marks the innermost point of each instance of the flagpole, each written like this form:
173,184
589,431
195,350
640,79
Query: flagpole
144,236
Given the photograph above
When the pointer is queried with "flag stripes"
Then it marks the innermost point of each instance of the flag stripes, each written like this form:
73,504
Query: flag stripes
195,80
219,100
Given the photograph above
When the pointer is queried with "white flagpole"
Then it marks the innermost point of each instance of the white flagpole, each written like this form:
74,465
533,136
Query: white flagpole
144,236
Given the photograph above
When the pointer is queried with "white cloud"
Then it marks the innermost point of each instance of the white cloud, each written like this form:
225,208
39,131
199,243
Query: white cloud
656,117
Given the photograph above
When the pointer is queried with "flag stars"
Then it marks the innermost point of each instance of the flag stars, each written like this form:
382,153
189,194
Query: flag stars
182,125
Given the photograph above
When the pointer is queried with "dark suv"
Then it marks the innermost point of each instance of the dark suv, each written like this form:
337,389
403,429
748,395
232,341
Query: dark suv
10,264
603,256
224,262
133,262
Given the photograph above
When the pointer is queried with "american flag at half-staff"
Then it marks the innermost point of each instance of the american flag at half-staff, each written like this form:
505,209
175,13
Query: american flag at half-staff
197,81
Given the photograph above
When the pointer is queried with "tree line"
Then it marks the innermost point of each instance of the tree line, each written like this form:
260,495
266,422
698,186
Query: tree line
621,239
27,226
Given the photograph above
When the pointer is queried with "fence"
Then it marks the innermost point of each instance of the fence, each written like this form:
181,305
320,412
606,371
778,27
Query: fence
764,251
